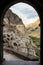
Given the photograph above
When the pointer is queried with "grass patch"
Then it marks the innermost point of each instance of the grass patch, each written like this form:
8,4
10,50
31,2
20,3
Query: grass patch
35,40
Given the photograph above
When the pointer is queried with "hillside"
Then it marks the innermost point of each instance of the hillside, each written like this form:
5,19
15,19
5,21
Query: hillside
34,24
13,18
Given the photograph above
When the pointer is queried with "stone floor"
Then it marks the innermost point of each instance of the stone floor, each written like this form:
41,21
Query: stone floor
10,57
13,60
20,62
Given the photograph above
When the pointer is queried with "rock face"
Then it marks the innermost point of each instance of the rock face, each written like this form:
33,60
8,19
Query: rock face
13,18
17,42
14,34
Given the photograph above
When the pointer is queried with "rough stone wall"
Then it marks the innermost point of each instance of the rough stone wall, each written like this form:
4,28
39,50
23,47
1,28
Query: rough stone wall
16,41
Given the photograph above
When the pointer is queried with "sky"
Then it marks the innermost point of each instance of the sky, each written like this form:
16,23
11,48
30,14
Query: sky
26,12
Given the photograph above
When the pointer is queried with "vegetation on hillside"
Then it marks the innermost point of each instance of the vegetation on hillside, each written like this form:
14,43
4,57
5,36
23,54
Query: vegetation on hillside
34,24
35,36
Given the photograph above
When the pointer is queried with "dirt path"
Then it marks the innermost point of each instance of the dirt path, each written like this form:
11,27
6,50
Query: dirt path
10,57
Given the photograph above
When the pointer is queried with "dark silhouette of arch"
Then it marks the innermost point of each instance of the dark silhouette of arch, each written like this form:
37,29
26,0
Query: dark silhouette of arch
4,5
39,24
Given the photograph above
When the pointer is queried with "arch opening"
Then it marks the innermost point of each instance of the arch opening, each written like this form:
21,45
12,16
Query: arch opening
21,28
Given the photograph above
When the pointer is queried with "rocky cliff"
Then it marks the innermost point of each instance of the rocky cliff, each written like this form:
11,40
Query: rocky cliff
13,18
14,33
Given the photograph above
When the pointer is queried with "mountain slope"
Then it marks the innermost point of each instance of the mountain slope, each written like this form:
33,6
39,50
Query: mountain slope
35,24
13,18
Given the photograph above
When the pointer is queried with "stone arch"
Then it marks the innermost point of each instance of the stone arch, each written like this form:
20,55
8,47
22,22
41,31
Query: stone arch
6,4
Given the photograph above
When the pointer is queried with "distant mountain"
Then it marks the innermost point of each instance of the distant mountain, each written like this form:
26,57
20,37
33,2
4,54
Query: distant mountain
13,18
33,25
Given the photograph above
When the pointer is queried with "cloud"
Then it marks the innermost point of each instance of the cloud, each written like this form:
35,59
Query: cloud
24,11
